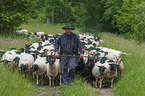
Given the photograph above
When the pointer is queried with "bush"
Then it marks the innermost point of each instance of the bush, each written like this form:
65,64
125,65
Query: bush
139,26
14,13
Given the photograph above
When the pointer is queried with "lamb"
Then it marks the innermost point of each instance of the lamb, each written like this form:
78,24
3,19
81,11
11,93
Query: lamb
53,69
25,62
39,67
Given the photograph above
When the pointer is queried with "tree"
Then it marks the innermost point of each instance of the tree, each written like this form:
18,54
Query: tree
14,13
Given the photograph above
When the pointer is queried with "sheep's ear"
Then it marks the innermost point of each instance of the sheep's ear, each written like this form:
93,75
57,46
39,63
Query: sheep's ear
98,66
46,62
13,48
31,67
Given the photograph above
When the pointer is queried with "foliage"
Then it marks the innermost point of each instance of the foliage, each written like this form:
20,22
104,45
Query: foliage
14,13
111,9
129,17
138,23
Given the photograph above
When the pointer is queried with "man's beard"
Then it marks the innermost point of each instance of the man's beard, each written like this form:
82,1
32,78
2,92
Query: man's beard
68,32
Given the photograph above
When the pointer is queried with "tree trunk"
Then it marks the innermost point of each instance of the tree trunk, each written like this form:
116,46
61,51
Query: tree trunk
48,20
53,16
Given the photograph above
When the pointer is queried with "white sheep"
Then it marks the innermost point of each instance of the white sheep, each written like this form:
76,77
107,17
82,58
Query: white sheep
112,72
8,56
53,69
25,62
99,71
40,33
39,67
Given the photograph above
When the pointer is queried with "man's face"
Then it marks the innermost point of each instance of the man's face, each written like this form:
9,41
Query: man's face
68,31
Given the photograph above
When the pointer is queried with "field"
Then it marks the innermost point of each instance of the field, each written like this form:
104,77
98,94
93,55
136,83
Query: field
131,83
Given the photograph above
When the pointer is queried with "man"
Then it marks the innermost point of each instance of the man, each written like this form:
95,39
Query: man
69,44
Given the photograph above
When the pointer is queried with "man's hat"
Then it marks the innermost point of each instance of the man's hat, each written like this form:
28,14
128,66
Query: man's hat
68,25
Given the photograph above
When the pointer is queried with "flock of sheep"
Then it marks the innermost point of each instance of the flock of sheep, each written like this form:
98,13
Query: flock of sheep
38,58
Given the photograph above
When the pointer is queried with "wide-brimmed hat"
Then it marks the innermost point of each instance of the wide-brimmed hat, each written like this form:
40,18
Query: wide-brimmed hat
68,25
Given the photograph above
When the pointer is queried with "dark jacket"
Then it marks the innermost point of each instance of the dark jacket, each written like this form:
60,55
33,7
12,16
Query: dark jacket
69,45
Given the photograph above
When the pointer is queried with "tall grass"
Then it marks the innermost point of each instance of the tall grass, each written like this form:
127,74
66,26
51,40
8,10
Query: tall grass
13,84
132,82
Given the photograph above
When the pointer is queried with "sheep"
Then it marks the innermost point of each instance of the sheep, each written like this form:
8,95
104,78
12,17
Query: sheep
8,56
49,49
111,53
23,31
112,72
53,69
25,62
99,71
120,67
40,33
2,52
34,46
88,69
85,57
39,67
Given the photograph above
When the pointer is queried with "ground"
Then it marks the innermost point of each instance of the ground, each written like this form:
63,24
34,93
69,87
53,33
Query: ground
53,91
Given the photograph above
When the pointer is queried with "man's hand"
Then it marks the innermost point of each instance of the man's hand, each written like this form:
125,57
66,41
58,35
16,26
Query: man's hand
81,55
56,54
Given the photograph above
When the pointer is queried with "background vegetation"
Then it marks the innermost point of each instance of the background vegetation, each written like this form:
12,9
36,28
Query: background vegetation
124,17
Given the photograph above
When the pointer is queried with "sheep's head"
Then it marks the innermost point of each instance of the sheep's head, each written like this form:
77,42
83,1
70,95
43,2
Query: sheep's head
51,62
34,68
103,59
16,59
118,60
102,69
23,68
113,67
48,58
98,49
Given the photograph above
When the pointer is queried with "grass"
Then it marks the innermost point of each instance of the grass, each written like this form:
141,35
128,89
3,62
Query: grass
131,83
80,88
13,84
33,26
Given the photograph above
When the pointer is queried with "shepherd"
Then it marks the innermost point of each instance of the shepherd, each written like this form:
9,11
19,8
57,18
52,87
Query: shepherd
69,44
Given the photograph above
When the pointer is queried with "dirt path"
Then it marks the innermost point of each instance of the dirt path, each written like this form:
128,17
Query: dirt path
105,92
48,91
53,91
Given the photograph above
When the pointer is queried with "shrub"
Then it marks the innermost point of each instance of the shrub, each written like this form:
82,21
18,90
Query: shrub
14,13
